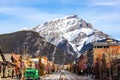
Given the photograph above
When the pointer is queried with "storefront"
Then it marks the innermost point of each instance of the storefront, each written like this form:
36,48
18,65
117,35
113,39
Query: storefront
116,69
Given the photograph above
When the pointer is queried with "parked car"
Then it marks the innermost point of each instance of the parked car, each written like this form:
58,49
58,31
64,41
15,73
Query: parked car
31,74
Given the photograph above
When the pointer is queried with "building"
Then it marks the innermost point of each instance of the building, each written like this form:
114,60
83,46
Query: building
107,54
6,65
108,50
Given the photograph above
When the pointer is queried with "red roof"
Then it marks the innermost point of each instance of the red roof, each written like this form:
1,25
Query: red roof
16,56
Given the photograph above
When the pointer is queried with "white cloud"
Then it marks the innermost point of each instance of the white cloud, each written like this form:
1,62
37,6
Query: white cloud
30,14
24,17
104,2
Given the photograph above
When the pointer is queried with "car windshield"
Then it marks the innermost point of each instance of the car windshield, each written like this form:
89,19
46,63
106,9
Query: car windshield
30,72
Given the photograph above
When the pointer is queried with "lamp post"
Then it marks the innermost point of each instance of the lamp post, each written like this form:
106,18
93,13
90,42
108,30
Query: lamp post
109,55
116,66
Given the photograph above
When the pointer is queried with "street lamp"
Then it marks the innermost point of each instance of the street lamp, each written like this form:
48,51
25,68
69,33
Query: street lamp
109,41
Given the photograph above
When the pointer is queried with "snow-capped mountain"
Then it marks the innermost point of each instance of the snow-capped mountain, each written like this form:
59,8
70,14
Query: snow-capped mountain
70,33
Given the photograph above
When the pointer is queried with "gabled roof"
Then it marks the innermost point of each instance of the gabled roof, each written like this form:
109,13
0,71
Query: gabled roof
7,57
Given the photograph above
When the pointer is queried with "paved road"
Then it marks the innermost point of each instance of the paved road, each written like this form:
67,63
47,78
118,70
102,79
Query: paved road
62,76
54,76
65,75
72,76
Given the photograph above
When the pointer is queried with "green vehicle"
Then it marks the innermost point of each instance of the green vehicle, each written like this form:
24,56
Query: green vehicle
31,74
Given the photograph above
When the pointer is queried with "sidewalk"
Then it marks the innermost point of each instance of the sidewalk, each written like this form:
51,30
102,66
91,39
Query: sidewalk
8,78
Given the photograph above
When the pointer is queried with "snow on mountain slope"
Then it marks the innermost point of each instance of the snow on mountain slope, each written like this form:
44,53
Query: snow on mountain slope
70,34
73,34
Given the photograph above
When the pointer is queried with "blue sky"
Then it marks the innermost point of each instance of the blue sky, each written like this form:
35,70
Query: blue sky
18,14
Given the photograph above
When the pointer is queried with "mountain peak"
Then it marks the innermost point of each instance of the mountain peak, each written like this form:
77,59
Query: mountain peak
77,32
71,16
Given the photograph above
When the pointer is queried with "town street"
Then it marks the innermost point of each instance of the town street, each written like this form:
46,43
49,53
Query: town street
73,76
54,76
64,75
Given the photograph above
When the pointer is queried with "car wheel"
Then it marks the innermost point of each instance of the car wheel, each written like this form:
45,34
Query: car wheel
37,79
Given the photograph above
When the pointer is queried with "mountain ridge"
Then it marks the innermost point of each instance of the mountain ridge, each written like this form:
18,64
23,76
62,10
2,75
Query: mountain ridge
31,43
77,32
62,40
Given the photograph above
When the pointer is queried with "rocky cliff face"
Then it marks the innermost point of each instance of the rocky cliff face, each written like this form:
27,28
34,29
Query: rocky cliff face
20,41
